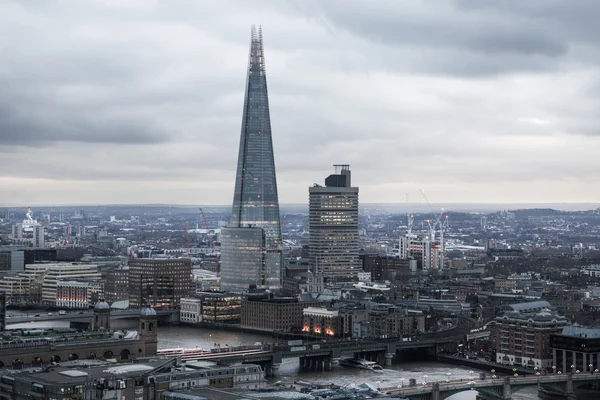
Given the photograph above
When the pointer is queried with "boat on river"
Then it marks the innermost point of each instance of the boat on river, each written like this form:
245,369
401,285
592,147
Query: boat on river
360,364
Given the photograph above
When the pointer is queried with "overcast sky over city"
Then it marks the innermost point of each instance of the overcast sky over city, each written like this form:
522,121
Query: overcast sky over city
141,101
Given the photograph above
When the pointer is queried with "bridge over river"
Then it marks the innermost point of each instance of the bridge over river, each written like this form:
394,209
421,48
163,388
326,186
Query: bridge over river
316,356
553,386
87,315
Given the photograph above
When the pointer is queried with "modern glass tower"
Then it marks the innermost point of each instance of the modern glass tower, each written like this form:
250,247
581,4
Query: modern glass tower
251,247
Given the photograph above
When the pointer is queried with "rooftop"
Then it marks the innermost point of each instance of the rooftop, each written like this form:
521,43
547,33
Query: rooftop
529,306
581,331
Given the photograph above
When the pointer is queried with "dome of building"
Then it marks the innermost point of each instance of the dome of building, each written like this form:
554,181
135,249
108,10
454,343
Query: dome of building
148,312
101,305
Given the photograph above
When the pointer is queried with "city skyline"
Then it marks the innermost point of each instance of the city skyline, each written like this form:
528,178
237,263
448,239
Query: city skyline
107,103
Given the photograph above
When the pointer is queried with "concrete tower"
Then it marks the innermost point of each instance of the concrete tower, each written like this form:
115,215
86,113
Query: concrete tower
333,227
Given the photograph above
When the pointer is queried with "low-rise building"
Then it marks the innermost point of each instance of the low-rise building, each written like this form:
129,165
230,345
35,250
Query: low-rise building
78,294
270,313
147,378
578,346
65,272
321,321
221,307
191,310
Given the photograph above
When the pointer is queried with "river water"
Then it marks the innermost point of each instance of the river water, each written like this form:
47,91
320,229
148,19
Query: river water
187,337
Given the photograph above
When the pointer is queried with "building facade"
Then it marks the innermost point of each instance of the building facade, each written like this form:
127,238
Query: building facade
333,227
78,294
116,287
191,310
159,282
576,346
385,267
65,272
523,338
221,307
321,321
282,314
255,199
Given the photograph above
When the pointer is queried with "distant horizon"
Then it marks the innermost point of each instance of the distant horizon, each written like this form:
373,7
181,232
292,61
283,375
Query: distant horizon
400,206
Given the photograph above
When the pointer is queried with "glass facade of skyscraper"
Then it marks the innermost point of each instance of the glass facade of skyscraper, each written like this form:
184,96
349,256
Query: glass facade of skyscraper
255,201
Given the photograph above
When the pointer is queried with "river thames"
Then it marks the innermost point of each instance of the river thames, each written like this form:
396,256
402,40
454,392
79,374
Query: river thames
188,337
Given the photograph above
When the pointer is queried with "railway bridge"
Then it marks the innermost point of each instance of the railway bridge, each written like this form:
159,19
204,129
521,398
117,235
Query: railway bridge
553,386
317,356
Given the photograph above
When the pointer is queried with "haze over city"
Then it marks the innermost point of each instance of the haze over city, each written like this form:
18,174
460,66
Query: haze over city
106,102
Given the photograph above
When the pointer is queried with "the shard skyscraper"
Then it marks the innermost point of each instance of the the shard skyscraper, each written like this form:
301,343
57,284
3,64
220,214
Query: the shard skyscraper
251,246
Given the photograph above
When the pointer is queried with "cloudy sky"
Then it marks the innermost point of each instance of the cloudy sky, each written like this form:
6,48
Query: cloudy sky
117,101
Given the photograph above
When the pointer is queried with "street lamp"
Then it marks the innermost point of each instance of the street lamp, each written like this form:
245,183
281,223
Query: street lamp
494,374
425,379
448,378
554,369
577,371
401,382
591,366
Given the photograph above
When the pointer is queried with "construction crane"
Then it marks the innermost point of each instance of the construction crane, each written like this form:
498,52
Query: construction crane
187,243
435,224
212,242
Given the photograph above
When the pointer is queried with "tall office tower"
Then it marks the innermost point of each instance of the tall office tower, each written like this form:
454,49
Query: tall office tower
251,246
333,227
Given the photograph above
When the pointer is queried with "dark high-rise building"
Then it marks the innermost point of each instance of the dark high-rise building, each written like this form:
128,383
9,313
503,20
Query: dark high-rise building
251,247
333,227
159,282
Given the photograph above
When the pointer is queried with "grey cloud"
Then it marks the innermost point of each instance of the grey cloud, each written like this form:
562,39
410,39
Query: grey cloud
408,93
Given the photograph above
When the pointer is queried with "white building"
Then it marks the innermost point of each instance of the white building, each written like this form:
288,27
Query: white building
64,272
77,294
24,287
191,310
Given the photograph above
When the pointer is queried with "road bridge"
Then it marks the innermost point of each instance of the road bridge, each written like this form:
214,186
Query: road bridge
553,386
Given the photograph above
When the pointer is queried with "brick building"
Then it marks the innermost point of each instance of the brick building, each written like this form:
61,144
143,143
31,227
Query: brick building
522,336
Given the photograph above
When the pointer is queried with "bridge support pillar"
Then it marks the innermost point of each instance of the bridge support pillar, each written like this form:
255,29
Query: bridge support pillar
389,357
327,364
435,391
506,389
271,369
